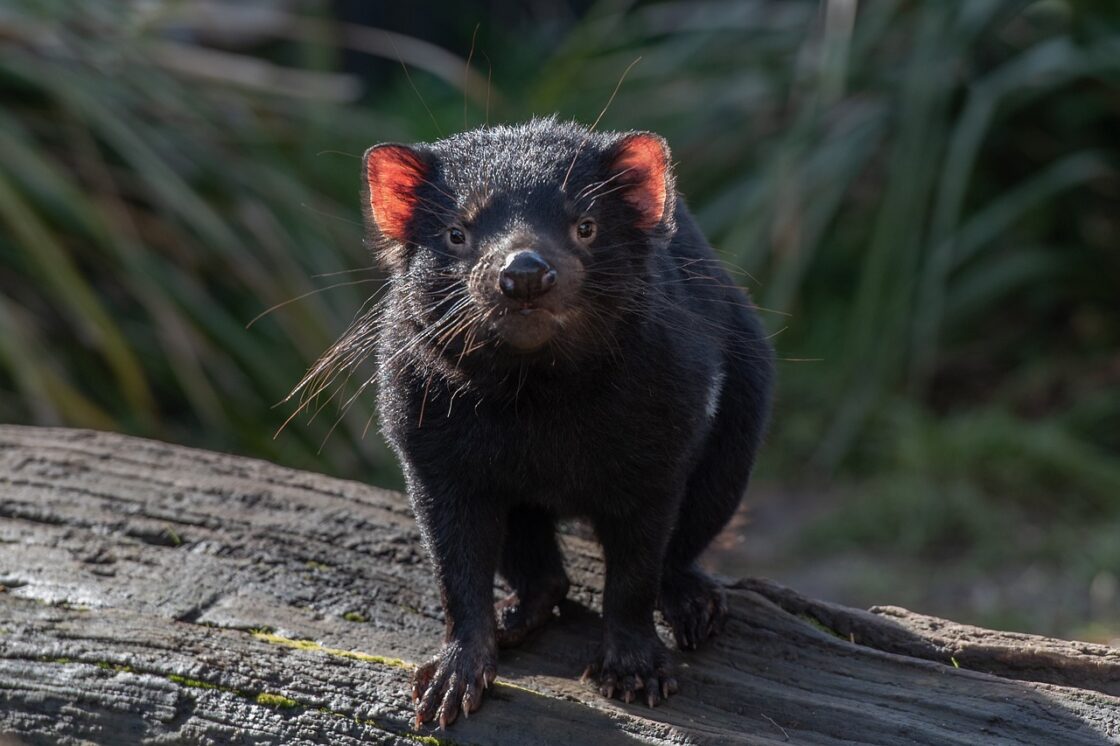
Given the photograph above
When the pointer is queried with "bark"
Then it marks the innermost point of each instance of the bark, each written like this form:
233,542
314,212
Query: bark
159,594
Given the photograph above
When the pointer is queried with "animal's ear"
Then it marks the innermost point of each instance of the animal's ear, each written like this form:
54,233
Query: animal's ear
641,161
393,175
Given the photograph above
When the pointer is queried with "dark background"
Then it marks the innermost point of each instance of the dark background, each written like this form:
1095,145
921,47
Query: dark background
923,197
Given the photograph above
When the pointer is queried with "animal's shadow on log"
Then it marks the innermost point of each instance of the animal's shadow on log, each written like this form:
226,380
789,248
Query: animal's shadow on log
811,672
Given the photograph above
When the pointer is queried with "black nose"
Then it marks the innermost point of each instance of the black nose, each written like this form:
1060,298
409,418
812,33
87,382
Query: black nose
526,275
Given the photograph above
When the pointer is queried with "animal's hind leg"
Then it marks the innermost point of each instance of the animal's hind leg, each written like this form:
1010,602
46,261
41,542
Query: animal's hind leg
692,602
533,566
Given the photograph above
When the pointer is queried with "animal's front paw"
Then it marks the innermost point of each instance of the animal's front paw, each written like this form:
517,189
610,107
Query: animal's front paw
633,665
453,681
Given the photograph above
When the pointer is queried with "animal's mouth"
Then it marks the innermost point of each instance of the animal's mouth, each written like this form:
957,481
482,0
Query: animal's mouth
528,327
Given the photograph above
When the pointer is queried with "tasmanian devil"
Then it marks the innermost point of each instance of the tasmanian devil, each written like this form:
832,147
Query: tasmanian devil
559,340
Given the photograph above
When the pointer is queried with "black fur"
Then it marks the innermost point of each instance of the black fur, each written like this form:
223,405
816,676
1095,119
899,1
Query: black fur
642,411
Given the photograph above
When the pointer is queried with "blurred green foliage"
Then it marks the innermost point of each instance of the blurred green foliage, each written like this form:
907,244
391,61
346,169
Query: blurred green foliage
923,197
149,213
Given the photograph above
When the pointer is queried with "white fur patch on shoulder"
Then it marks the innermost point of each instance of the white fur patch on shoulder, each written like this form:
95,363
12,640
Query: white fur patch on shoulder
715,389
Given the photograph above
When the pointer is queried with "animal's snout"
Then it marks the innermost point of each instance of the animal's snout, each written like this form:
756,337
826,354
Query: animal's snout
526,275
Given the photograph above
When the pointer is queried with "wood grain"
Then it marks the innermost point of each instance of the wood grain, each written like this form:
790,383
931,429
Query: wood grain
159,594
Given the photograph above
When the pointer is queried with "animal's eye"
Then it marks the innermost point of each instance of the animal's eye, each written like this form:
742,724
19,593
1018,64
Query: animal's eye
585,230
456,235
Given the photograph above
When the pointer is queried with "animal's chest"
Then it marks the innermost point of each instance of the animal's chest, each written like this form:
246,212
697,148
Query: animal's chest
568,453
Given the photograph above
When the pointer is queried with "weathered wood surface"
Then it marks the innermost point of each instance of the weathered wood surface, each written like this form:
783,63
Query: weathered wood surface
139,577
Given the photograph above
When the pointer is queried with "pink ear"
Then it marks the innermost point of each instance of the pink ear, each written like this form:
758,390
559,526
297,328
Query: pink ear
644,161
394,172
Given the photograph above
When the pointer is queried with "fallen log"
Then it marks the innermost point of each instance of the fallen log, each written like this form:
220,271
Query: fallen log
160,594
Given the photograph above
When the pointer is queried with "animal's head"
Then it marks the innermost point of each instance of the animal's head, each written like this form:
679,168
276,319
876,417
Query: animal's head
520,240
